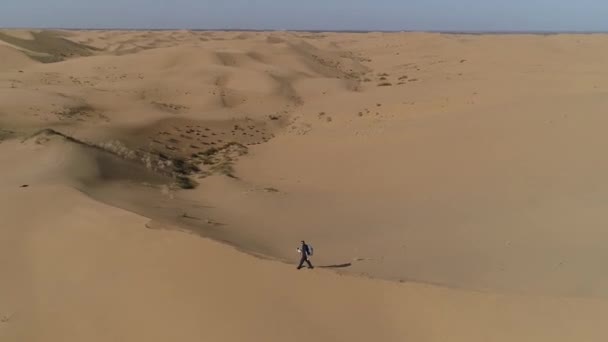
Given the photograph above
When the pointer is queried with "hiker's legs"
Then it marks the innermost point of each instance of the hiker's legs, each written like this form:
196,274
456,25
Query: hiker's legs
302,260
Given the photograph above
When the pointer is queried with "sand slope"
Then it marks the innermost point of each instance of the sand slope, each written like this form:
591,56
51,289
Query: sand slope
12,58
453,186
82,270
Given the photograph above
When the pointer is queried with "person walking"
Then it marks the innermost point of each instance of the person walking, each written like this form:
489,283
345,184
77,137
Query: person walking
305,251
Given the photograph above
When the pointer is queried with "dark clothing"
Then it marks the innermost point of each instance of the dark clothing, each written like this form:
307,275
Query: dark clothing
305,252
304,260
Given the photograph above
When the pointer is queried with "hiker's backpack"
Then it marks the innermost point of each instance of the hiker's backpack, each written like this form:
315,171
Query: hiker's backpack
310,250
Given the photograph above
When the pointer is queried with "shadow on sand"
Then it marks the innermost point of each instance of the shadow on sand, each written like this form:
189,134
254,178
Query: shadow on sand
337,266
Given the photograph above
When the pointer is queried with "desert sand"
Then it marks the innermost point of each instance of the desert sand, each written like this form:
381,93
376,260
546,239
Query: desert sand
157,183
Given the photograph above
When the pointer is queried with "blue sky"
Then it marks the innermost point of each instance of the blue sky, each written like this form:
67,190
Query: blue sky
446,15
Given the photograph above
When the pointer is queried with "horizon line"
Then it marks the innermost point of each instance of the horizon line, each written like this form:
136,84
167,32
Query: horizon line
540,32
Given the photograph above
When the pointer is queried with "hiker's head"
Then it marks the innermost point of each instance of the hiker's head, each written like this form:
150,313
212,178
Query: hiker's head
303,242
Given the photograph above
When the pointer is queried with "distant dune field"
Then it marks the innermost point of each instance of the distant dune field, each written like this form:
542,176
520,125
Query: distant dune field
157,183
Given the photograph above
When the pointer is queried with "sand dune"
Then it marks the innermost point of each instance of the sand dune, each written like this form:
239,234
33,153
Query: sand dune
83,270
12,58
452,185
